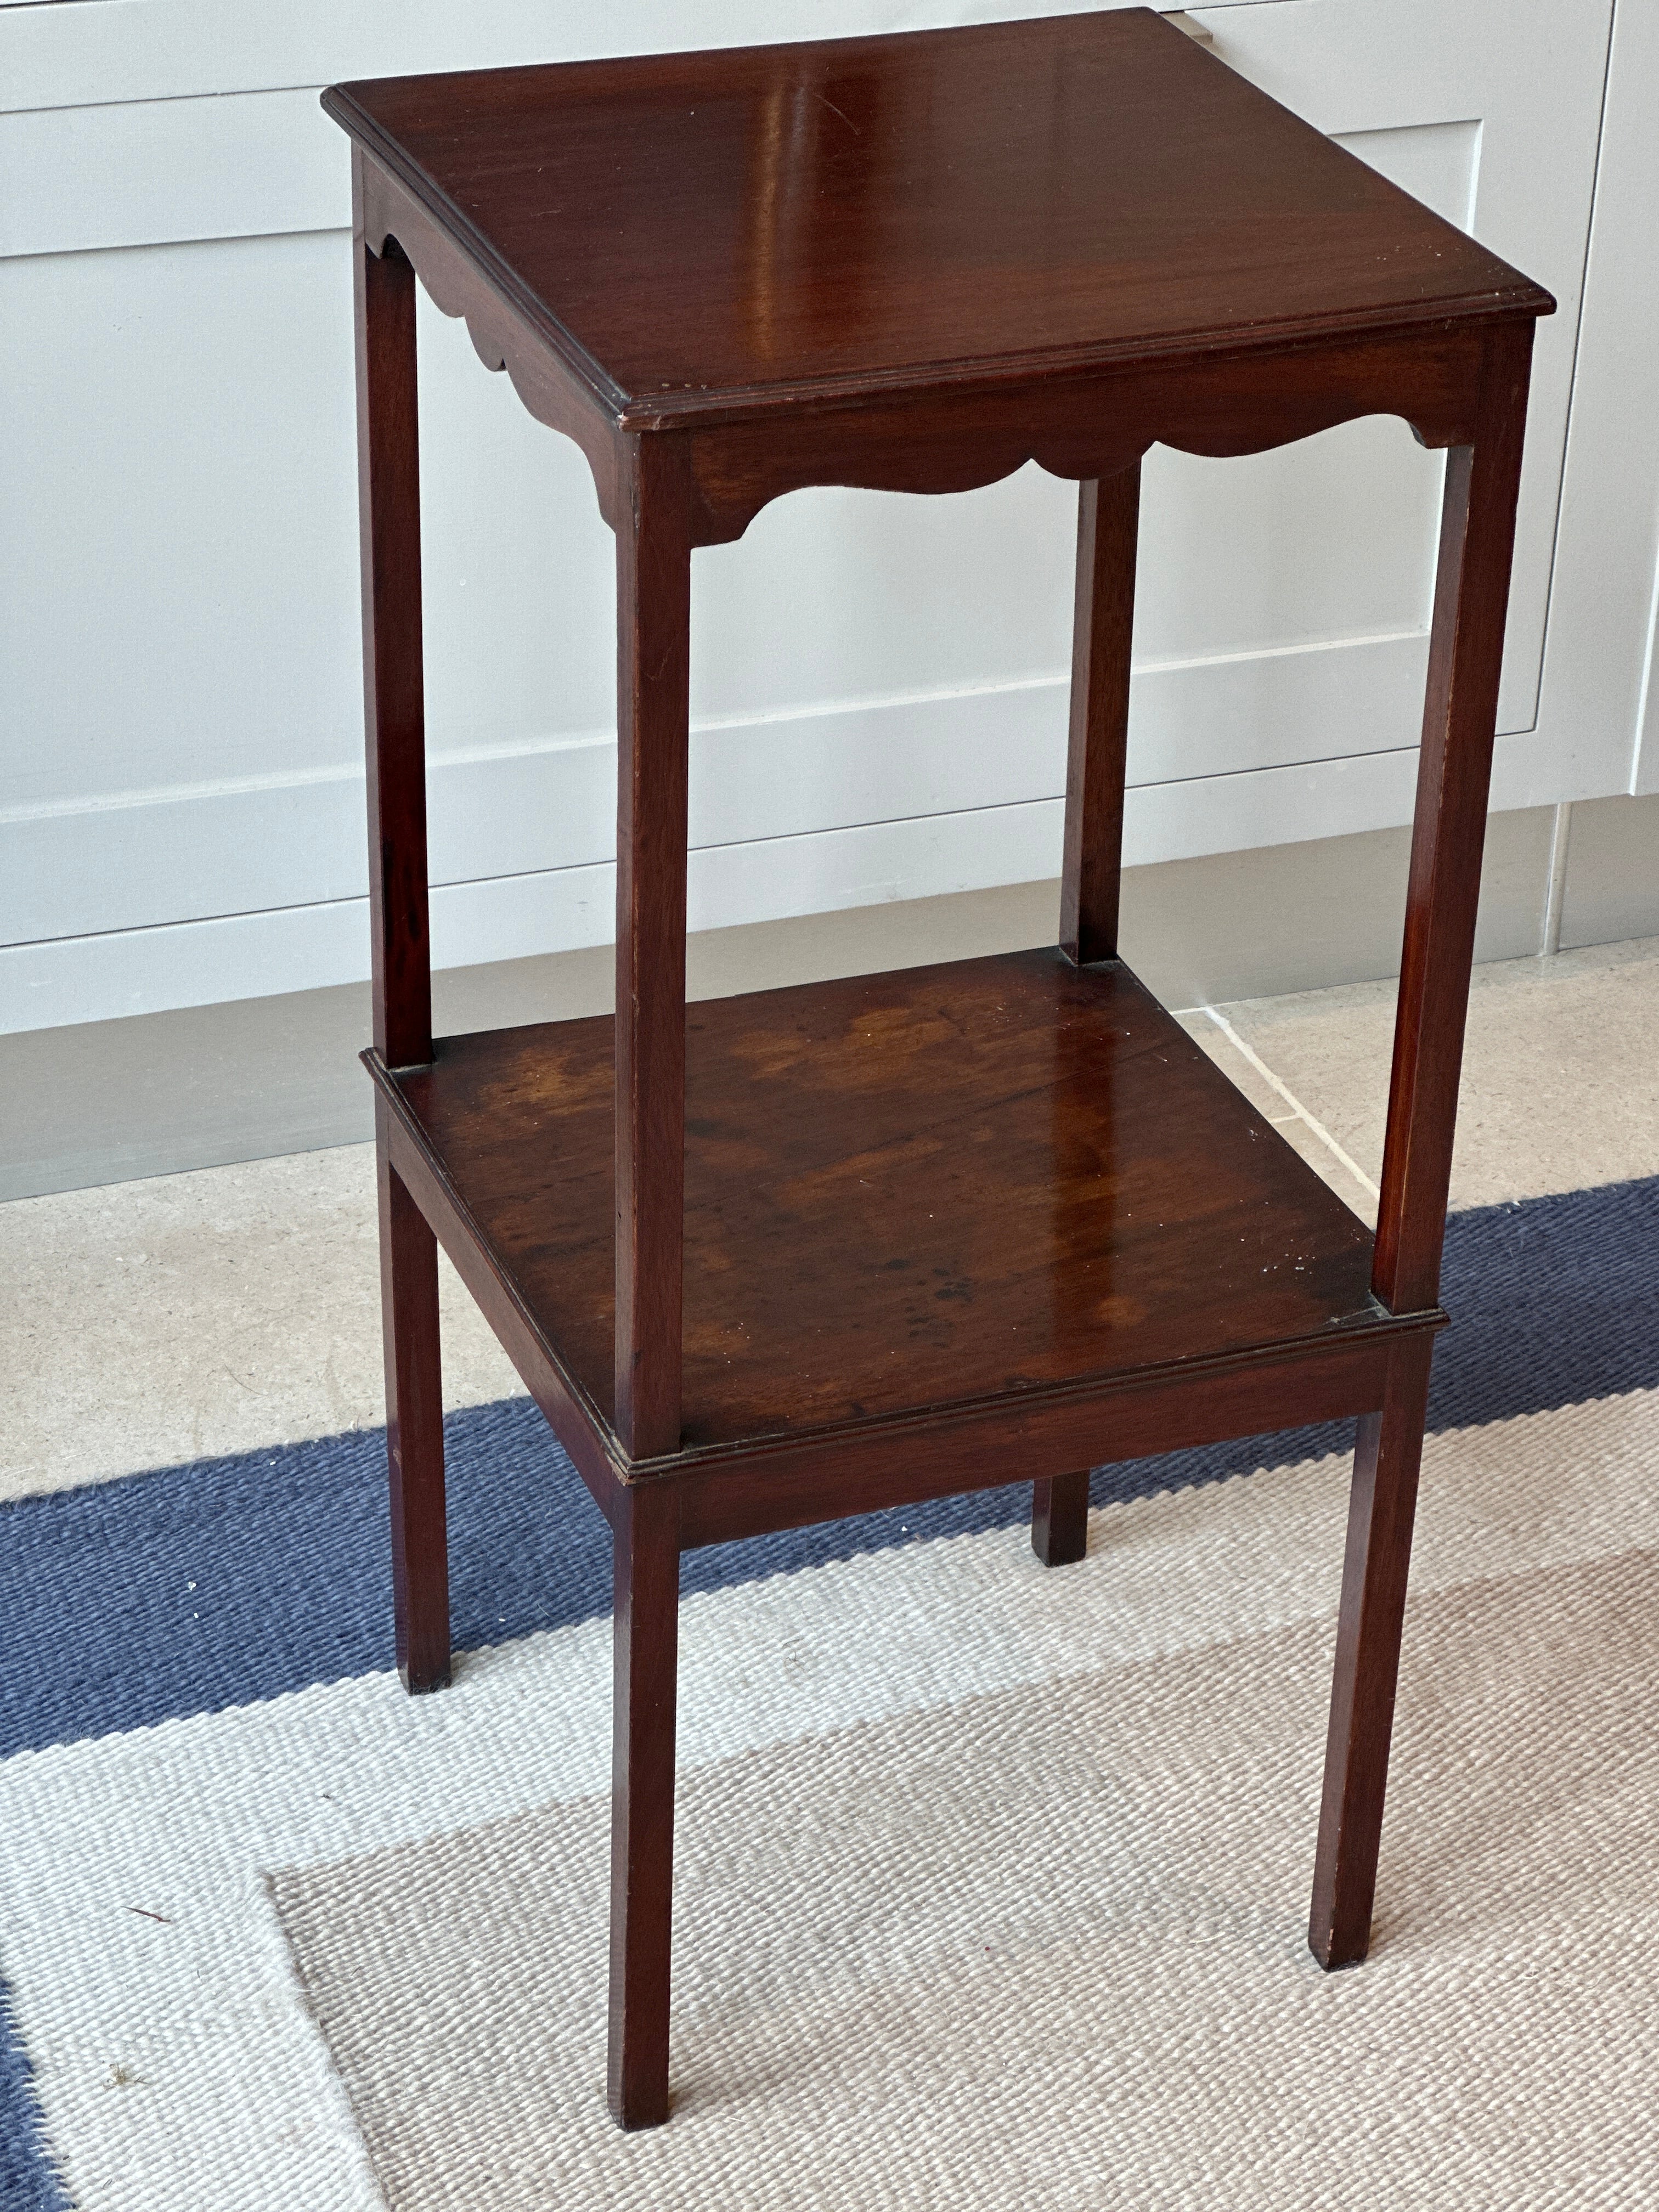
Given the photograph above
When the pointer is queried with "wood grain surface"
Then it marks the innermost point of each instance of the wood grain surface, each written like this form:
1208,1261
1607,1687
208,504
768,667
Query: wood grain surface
1097,743
905,1190
692,231
414,1429
394,697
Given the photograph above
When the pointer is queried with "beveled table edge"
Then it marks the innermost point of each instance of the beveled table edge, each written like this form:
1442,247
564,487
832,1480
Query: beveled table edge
409,178
724,405
569,1405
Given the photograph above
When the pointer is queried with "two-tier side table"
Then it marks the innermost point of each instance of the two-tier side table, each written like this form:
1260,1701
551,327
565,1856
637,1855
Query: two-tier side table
780,1258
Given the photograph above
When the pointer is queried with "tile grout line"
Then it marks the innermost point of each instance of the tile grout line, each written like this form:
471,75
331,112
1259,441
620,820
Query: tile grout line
1291,1099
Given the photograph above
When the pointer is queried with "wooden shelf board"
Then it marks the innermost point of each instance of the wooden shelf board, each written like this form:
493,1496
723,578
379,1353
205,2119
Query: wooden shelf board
905,1191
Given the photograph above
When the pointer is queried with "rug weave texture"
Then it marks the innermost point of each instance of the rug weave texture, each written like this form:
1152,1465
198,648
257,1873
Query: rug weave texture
991,1884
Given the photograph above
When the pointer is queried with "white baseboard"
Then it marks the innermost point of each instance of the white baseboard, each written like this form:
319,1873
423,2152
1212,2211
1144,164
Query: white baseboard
100,978
221,1082
186,897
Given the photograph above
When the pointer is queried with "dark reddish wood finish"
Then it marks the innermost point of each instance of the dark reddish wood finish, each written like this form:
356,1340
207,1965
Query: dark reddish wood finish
902,1191
1091,864
1060,1518
1212,273
1103,632
389,507
653,616
414,1429
786,1481
812,1253
645,1541
394,721
900,1461
1465,654
711,237
1387,1455
1240,401
1477,538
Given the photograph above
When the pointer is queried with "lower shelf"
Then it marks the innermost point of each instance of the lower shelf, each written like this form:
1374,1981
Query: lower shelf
904,1192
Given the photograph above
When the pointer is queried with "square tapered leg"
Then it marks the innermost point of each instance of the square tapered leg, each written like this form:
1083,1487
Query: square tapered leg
1059,1519
1387,1457
647,1629
414,1434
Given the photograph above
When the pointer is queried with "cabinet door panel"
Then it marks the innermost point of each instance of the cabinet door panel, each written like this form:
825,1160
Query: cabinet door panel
1504,96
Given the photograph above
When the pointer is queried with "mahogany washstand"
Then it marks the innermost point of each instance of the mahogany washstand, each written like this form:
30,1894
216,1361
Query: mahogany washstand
785,1257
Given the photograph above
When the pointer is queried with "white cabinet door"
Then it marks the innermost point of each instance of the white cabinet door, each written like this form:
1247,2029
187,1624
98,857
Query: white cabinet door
1283,601
1489,111
1598,722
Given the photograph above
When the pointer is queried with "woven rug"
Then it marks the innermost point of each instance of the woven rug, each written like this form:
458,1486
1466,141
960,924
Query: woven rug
990,1884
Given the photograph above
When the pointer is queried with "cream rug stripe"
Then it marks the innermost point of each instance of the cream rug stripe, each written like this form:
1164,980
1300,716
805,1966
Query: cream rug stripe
231,2104
1046,1948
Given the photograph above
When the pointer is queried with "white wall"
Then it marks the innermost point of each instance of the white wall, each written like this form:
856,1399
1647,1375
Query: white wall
880,683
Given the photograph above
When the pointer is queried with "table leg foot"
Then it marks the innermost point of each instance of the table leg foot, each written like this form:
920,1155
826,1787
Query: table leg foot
1059,1519
647,1628
415,1437
1381,1506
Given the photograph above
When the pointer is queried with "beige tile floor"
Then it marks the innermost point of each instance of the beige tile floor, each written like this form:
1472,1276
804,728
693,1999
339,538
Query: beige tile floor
1560,1078
237,1307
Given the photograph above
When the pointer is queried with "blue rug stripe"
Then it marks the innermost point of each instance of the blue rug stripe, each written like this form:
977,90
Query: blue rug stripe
29,2181
223,1582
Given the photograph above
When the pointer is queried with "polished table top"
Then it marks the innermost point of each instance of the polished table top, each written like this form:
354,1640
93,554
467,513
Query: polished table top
699,235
